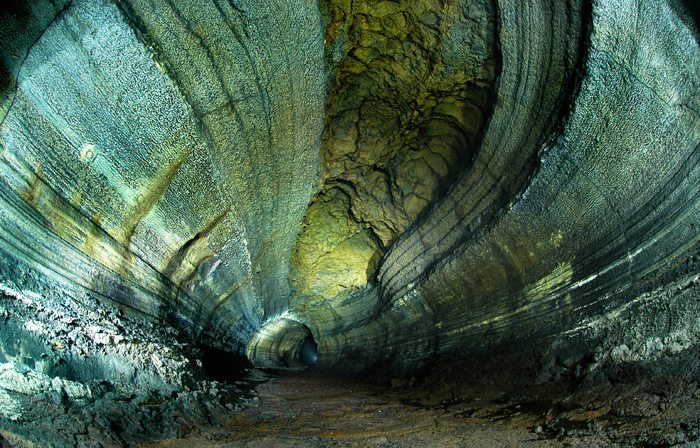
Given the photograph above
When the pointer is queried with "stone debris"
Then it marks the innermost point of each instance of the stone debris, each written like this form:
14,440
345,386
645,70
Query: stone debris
9,407
17,377
128,379
57,410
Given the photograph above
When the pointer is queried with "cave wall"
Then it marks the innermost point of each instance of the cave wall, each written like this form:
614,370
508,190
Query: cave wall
597,211
398,179
163,155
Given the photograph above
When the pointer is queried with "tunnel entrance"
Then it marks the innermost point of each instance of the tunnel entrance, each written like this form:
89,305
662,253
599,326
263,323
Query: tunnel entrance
308,353
282,343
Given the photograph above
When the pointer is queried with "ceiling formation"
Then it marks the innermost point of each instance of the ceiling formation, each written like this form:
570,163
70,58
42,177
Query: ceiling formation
394,179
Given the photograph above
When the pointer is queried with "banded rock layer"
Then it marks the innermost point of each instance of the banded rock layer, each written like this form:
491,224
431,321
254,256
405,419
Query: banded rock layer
397,179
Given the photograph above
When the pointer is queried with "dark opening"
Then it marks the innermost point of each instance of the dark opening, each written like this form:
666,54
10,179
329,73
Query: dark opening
308,353
694,9
222,366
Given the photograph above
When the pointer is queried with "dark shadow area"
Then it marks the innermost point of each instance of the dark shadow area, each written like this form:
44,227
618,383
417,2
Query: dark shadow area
693,7
224,367
308,353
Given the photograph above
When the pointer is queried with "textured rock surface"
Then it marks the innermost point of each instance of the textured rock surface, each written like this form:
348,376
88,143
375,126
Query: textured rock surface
75,371
153,163
437,177
408,93
406,102
543,227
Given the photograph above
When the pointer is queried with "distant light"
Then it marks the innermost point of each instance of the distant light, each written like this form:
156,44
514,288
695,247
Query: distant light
308,353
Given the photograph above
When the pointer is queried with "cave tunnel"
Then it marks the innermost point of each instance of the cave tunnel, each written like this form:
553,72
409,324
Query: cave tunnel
349,223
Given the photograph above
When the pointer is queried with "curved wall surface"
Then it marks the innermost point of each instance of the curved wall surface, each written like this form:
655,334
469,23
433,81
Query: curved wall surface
398,180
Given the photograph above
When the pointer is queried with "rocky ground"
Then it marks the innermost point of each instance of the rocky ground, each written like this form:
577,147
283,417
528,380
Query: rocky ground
480,401
77,371
496,401
108,417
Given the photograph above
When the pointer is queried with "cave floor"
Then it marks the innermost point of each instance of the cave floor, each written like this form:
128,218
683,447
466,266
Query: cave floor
297,410
489,409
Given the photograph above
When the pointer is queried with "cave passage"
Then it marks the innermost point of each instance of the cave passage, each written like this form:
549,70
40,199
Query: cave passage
428,216
308,353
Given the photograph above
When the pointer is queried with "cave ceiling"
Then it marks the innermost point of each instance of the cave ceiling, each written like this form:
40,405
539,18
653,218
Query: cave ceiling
397,179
